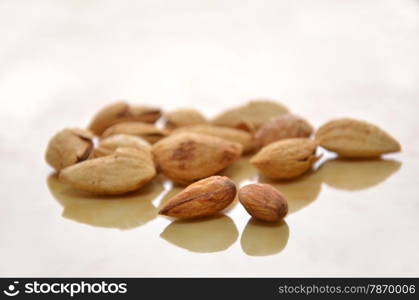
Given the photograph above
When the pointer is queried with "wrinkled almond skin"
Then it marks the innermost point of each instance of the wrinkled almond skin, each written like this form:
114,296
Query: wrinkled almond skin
187,157
203,198
251,115
122,112
230,134
146,131
263,202
283,127
356,139
126,170
108,145
68,147
287,158
184,117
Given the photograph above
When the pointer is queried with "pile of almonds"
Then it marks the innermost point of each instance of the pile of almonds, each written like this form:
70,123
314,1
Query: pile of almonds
190,150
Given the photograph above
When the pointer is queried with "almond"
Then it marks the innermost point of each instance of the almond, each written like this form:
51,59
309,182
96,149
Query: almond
263,202
230,134
146,131
283,127
126,170
108,145
186,157
184,117
203,198
122,112
67,147
355,138
286,159
252,115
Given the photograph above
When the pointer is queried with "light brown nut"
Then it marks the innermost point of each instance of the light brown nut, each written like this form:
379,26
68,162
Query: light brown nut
67,147
252,115
355,138
286,159
263,202
283,127
126,170
184,117
203,198
230,134
122,112
146,131
187,157
108,145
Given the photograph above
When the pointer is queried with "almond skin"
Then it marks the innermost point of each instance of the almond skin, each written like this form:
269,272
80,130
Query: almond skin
356,139
126,170
68,147
203,198
283,127
263,202
251,115
146,131
184,117
230,134
286,159
122,112
187,157
108,145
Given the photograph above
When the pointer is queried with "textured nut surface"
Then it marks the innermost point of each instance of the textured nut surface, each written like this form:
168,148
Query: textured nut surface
286,159
127,169
146,131
184,117
203,198
355,138
67,147
186,157
110,144
230,134
283,127
263,202
253,114
122,112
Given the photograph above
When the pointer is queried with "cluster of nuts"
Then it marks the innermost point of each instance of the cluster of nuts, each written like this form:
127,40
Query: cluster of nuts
190,150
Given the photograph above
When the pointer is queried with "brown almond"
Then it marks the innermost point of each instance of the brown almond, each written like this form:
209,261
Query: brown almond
122,112
146,131
184,117
355,138
108,145
203,198
283,127
286,159
251,115
126,170
230,134
263,202
187,157
67,147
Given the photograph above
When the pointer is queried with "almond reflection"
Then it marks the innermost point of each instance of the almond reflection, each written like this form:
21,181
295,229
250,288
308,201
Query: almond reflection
122,211
261,238
240,171
203,235
357,174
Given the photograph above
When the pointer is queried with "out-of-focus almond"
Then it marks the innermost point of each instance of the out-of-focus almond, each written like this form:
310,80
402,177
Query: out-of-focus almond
187,157
355,138
263,202
203,198
283,127
126,170
108,145
67,147
146,131
184,117
287,158
230,134
256,113
122,112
